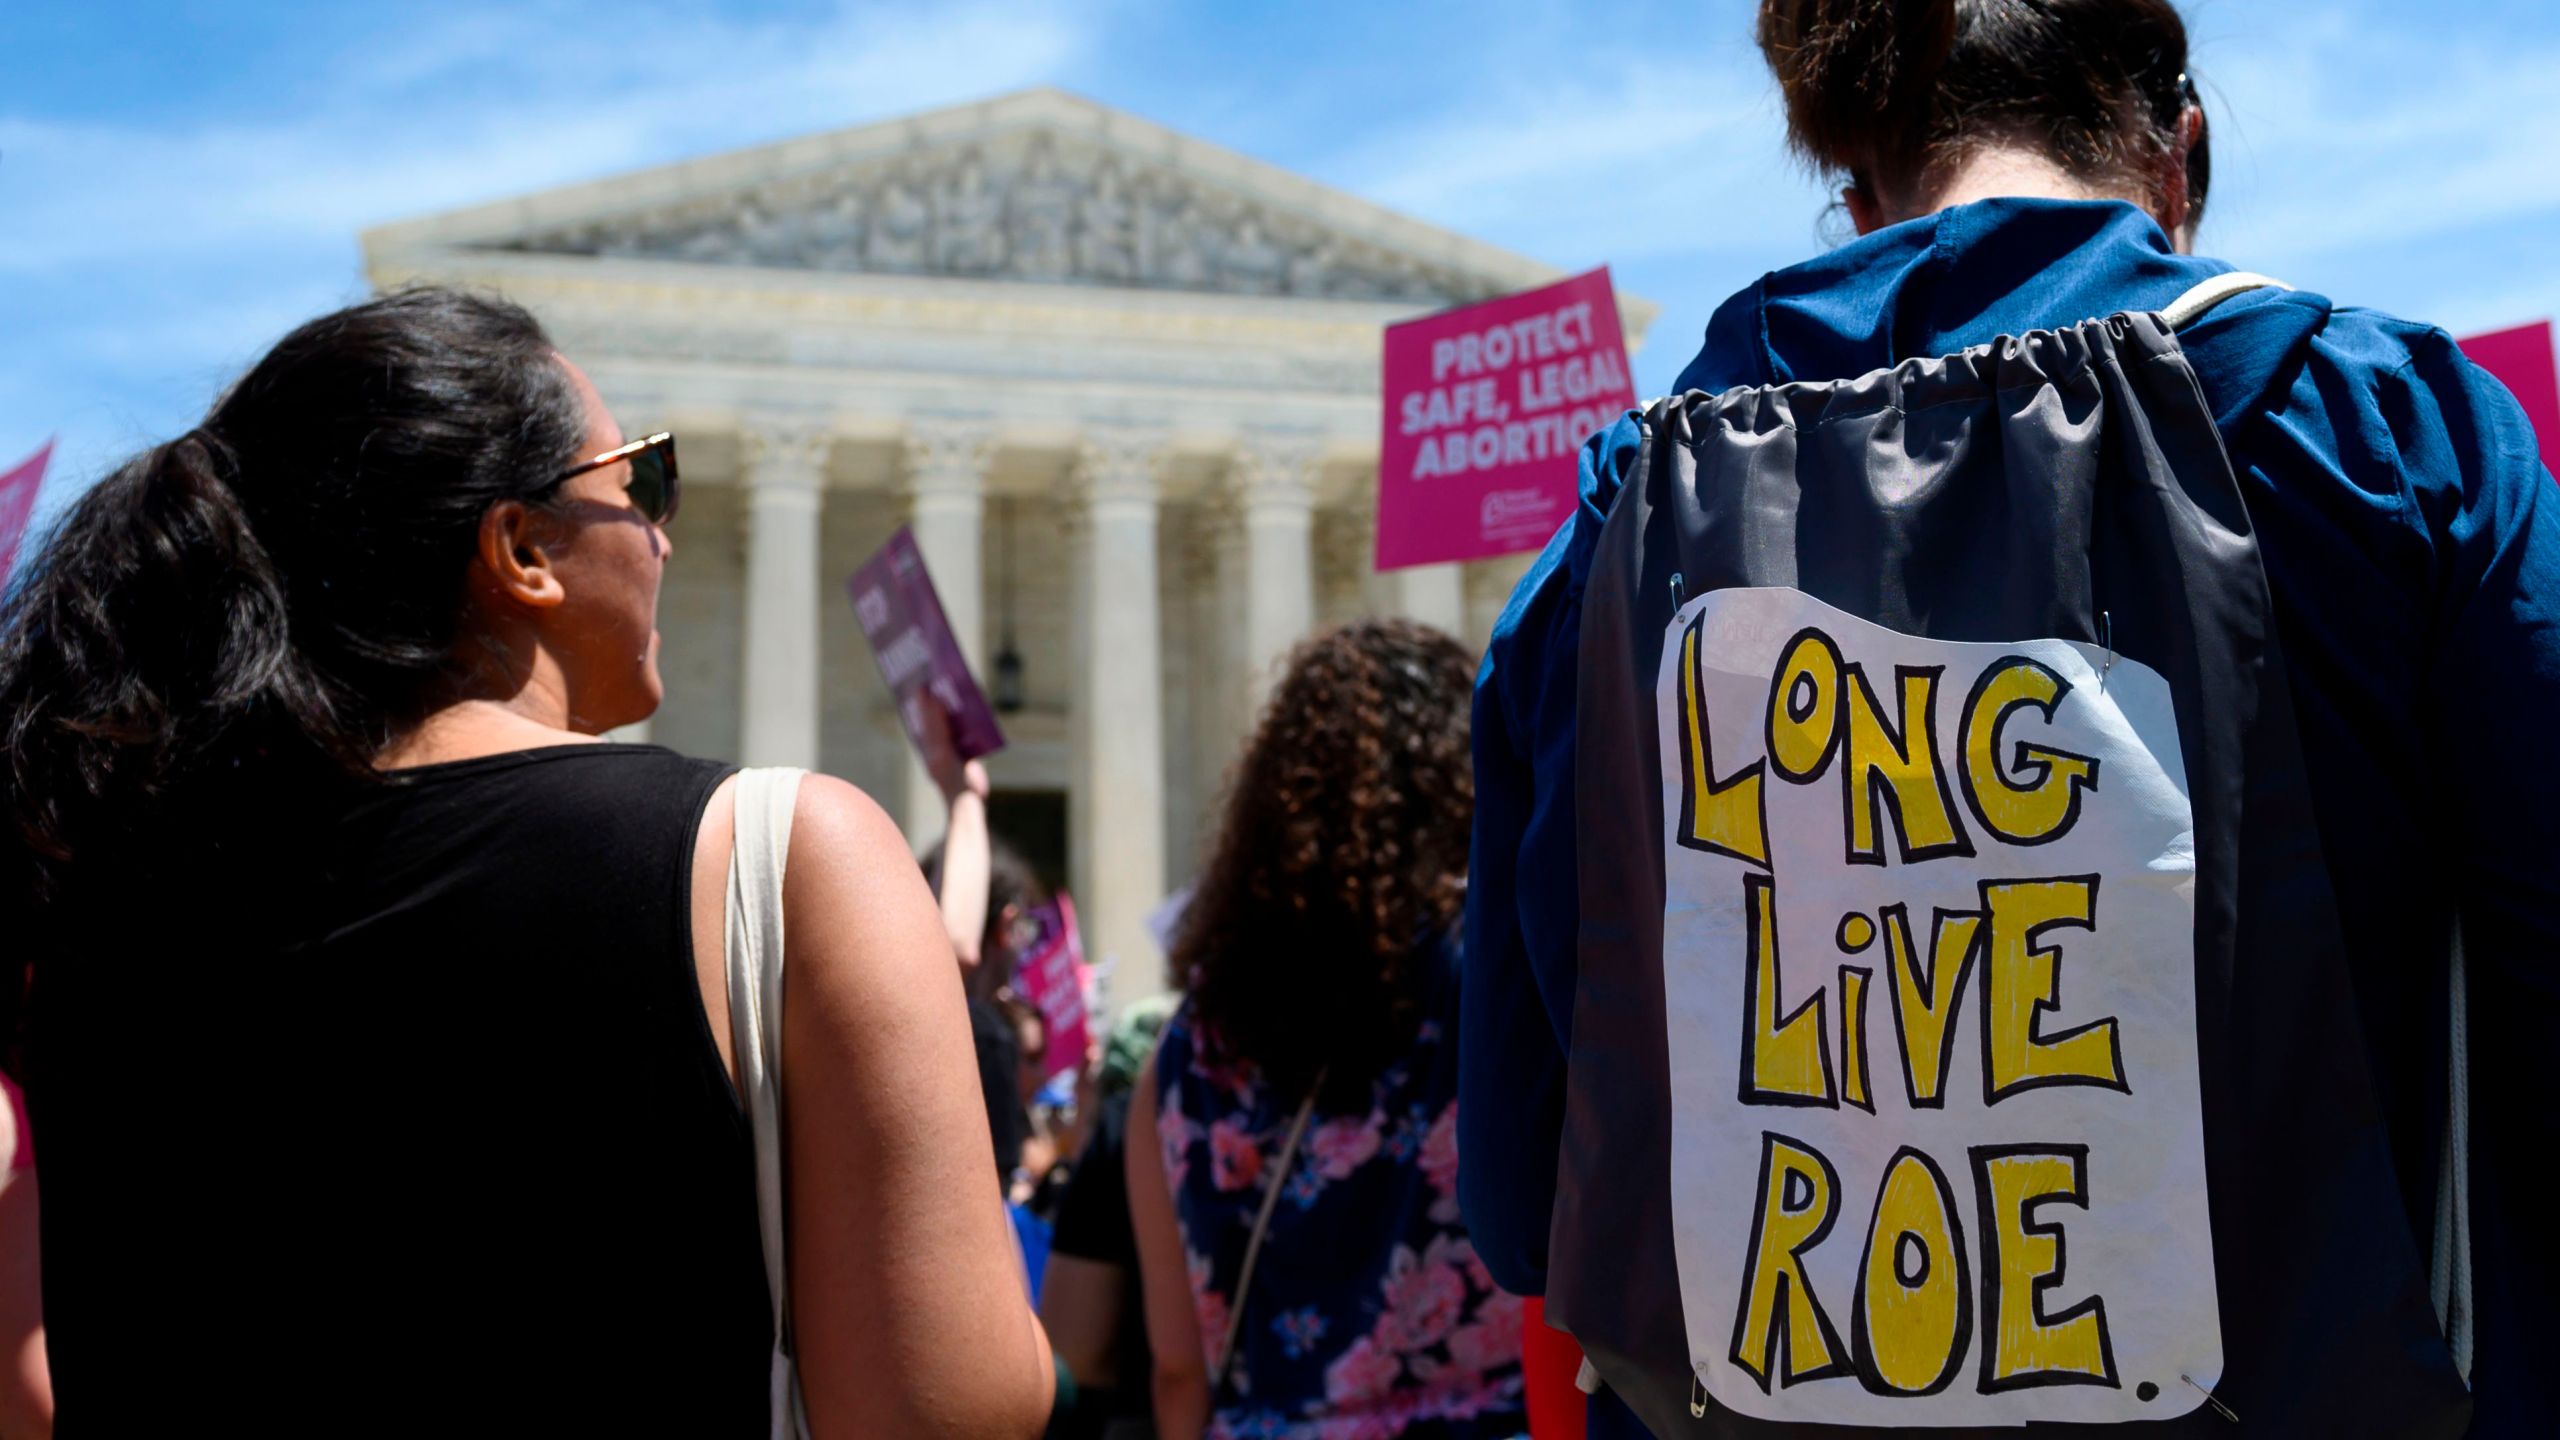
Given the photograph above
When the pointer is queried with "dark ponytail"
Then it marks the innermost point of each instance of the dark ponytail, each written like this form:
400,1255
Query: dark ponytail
1882,90
1859,77
277,590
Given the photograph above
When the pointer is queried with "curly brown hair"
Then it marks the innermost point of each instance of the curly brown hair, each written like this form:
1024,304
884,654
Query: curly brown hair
1341,862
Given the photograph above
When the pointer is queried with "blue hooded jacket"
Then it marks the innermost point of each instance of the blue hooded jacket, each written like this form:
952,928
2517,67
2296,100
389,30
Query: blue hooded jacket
2411,540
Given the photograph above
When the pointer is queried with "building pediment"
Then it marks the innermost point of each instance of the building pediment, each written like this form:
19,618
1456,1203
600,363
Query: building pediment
1038,187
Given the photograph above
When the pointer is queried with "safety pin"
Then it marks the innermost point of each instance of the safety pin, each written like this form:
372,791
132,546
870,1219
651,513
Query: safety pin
1697,1397
2107,637
1677,599
2225,1411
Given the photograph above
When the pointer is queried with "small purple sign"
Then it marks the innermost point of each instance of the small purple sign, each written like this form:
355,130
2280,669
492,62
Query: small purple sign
901,615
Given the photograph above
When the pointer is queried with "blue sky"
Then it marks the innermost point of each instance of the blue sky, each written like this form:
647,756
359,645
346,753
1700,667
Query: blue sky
181,180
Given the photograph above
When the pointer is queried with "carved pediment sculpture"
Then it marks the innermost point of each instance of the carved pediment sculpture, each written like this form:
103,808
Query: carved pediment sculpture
1042,207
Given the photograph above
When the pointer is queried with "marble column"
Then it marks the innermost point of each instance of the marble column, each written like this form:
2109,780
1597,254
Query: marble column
786,489
1116,814
1274,484
1075,535
1229,709
1436,595
946,490
1489,584
1210,557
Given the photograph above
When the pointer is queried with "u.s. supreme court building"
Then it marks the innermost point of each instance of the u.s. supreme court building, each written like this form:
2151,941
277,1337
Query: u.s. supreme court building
1122,383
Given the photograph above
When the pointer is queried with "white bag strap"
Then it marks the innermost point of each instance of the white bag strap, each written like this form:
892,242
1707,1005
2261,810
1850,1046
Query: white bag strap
2187,309
2451,1274
759,849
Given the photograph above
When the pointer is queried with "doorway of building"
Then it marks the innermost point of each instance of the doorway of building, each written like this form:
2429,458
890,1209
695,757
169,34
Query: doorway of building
1034,823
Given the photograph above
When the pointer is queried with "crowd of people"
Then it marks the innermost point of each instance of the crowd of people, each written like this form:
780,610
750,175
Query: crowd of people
383,1030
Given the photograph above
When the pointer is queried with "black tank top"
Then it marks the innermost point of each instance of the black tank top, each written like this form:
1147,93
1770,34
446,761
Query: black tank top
396,1110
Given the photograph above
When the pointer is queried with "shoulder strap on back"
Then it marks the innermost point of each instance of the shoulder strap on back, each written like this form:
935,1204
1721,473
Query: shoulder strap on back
2451,1273
2191,307
759,849
1261,1227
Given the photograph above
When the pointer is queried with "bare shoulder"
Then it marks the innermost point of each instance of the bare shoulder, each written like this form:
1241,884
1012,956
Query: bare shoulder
845,850
838,820
846,884
852,894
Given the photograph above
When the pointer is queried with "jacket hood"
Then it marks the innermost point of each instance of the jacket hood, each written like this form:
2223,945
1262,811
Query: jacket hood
1970,274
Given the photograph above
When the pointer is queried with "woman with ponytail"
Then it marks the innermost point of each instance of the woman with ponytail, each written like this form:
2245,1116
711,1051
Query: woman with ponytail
2023,165
377,1024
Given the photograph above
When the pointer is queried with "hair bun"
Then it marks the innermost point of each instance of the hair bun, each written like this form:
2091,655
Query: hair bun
1859,76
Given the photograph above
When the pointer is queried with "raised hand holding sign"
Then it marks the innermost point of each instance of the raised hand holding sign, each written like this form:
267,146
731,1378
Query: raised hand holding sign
902,617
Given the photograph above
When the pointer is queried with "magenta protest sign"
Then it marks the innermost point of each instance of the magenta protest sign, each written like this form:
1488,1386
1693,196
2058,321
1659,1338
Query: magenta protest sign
901,615
18,501
2521,359
1051,978
1485,406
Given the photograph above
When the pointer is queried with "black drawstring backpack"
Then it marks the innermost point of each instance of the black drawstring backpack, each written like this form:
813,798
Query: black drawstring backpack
1962,1038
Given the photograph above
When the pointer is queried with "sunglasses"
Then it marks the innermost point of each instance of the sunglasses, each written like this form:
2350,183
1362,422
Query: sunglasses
652,486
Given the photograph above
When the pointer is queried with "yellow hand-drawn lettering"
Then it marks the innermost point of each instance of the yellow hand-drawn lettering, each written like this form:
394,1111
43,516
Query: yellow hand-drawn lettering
1857,932
1804,707
1853,1037
1799,1198
1724,816
1913,1315
2024,1346
1786,1058
1894,767
2045,806
2021,979
1924,1005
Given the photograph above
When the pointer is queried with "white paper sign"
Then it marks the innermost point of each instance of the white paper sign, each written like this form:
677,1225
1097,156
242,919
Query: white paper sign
1937,1150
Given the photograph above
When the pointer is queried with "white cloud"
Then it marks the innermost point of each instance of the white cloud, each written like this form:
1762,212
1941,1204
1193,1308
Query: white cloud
2387,159
156,259
1646,156
2375,140
2361,149
409,125
1668,164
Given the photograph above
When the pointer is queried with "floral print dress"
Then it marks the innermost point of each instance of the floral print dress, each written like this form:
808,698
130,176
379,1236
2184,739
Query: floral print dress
1370,1315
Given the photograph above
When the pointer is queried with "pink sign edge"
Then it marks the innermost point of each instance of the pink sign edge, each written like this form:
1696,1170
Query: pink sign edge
40,462
1078,970
2546,436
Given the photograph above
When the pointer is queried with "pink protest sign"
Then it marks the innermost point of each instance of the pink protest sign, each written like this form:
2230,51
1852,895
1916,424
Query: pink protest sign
1051,976
1485,407
901,615
2521,359
18,501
